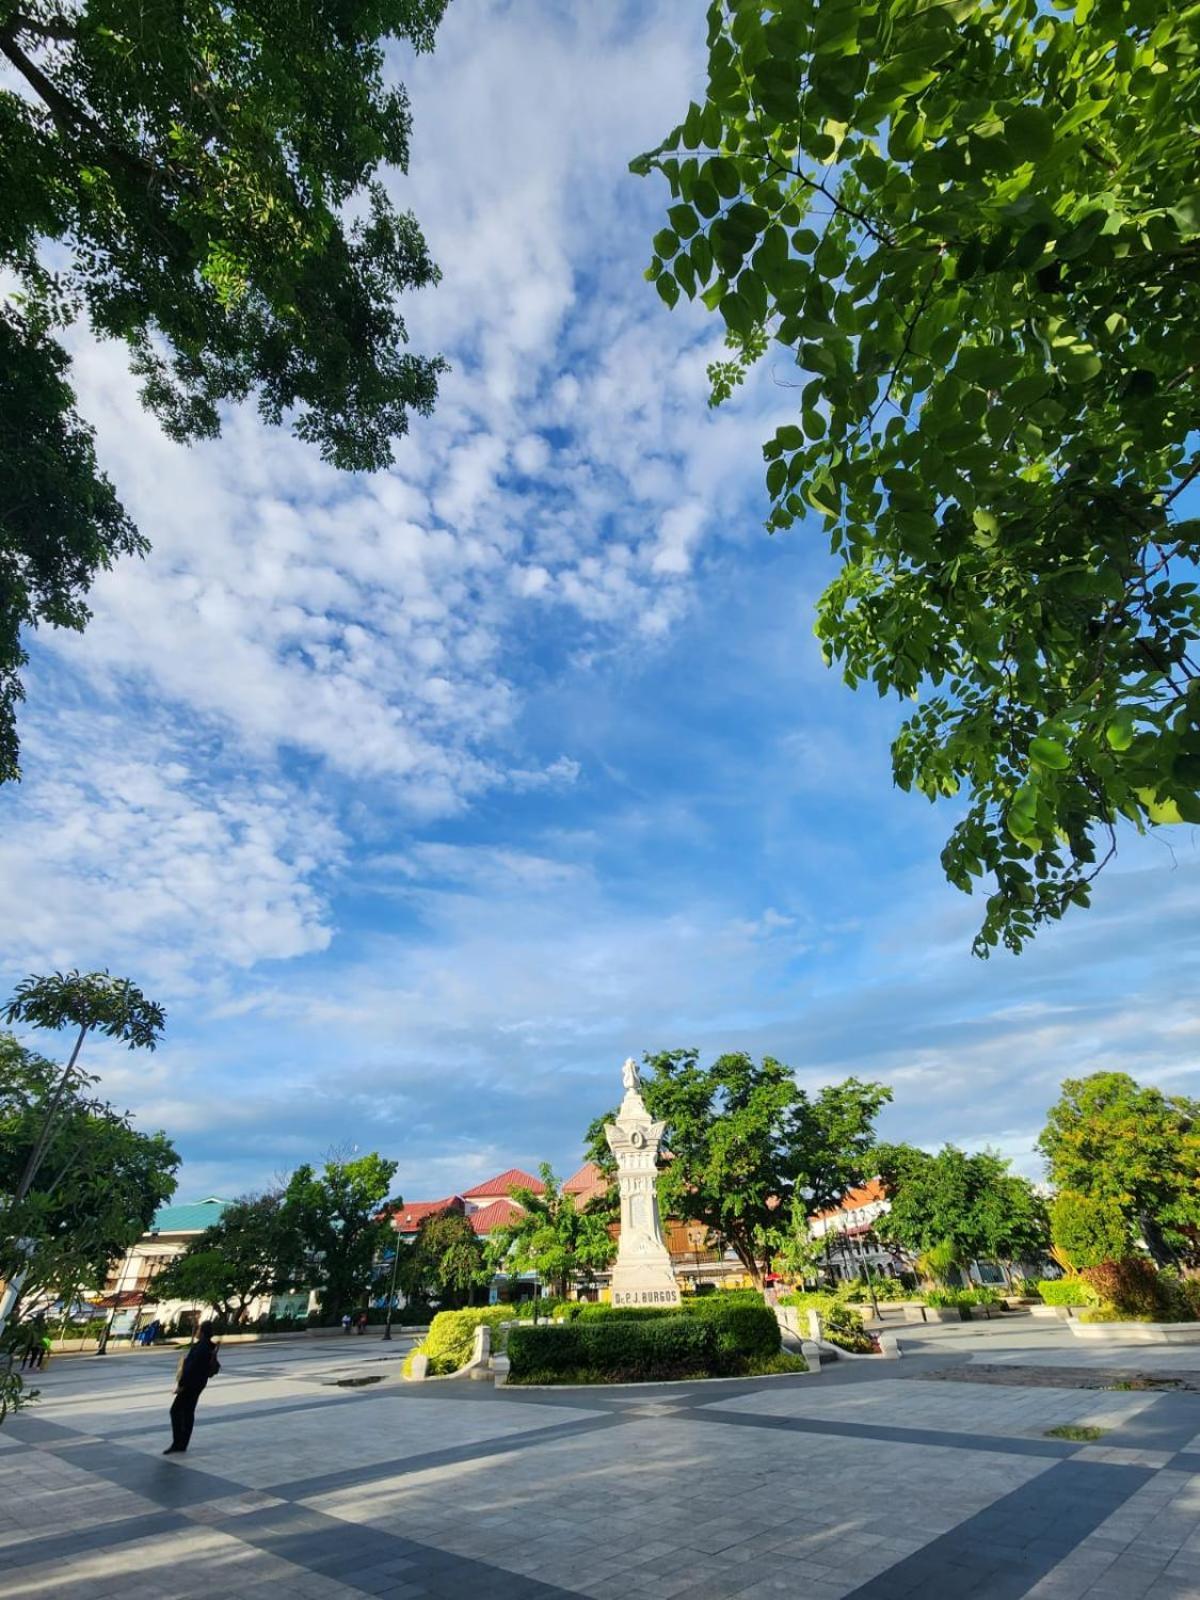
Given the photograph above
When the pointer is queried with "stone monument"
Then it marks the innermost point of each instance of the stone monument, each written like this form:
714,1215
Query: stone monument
643,1275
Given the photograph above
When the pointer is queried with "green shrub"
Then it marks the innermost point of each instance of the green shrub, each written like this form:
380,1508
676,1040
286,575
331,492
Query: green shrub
745,1332
983,1294
886,1289
781,1361
451,1337
1087,1231
840,1322
613,1350
1066,1292
813,1300
947,1299
843,1326
1135,1290
739,1335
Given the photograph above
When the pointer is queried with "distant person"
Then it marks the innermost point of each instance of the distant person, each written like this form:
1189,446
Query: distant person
347,1320
362,1322
35,1351
196,1367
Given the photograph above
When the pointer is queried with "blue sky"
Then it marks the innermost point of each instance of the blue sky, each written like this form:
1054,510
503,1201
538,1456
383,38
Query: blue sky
422,800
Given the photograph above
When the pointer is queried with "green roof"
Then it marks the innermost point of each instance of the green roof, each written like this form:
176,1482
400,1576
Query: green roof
193,1218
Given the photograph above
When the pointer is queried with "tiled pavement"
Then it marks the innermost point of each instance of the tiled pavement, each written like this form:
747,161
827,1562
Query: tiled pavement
866,1481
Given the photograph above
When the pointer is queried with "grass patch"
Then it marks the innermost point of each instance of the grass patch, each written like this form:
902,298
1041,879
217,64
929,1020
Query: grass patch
1080,1432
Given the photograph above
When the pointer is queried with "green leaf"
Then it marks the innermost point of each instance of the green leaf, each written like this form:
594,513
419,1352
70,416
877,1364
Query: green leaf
723,175
1081,237
1028,132
702,257
665,243
738,316
683,220
1050,754
1120,731
668,289
705,198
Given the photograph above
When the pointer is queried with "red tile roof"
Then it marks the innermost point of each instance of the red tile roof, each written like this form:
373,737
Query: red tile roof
122,1300
855,1199
409,1218
588,1182
503,1184
488,1218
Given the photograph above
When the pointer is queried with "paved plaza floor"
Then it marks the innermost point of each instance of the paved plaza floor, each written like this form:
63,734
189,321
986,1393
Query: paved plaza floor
871,1479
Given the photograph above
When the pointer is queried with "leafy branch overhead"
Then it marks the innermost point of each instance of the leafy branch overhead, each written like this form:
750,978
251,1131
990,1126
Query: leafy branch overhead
202,182
973,226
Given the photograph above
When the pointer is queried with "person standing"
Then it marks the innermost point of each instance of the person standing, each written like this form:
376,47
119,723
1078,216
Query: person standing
35,1351
196,1367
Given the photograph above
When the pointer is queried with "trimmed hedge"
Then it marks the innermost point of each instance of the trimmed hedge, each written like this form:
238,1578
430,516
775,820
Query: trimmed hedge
722,1337
617,1350
1066,1292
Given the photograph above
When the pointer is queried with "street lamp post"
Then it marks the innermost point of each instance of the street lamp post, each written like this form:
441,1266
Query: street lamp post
387,1325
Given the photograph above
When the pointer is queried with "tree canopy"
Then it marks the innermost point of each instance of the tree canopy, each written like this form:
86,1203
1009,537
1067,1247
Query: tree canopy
972,226
552,1237
340,1215
958,1207
445,1260
99,1185
253,1250
203,183
745,1141
1088,1232
1112,1139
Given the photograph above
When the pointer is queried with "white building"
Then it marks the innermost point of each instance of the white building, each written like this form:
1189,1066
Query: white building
848,1231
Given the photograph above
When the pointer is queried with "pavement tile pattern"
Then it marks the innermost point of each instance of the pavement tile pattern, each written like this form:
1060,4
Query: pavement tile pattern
864,1482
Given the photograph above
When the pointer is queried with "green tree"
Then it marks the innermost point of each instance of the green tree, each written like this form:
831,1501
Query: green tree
93,1002
746,1142
252,1251
956,1208
201,181
972,226
445,1261
341,1218
1088,1232
553,1237
1111,1139
97,1190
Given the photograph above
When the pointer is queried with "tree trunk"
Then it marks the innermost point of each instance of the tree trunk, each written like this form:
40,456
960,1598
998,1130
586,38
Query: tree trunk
744,1250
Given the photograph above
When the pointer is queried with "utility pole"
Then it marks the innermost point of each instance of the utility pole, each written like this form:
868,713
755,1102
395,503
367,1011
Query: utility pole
387,1326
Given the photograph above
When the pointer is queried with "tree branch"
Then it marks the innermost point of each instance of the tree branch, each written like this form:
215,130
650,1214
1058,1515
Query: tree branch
53,28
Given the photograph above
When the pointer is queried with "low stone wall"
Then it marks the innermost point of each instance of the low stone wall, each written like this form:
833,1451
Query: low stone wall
1117,1333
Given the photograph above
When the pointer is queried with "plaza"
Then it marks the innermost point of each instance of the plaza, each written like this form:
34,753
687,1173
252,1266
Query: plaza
932,1475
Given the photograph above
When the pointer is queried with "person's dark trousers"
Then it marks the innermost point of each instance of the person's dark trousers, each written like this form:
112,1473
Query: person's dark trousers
183,1417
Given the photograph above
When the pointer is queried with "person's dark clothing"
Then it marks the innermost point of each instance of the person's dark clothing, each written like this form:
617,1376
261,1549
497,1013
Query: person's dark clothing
198,1366
195,1369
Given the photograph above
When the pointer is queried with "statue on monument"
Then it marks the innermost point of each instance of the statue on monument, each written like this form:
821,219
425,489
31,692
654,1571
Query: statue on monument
643,1274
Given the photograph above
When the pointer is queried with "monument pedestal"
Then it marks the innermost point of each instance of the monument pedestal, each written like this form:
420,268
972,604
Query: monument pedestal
643,1275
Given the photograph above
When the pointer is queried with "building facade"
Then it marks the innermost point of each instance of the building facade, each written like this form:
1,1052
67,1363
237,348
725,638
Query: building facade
129,1288
695,1257
848,1234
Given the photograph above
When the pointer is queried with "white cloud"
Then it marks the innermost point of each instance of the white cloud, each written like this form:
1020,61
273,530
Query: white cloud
117,855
